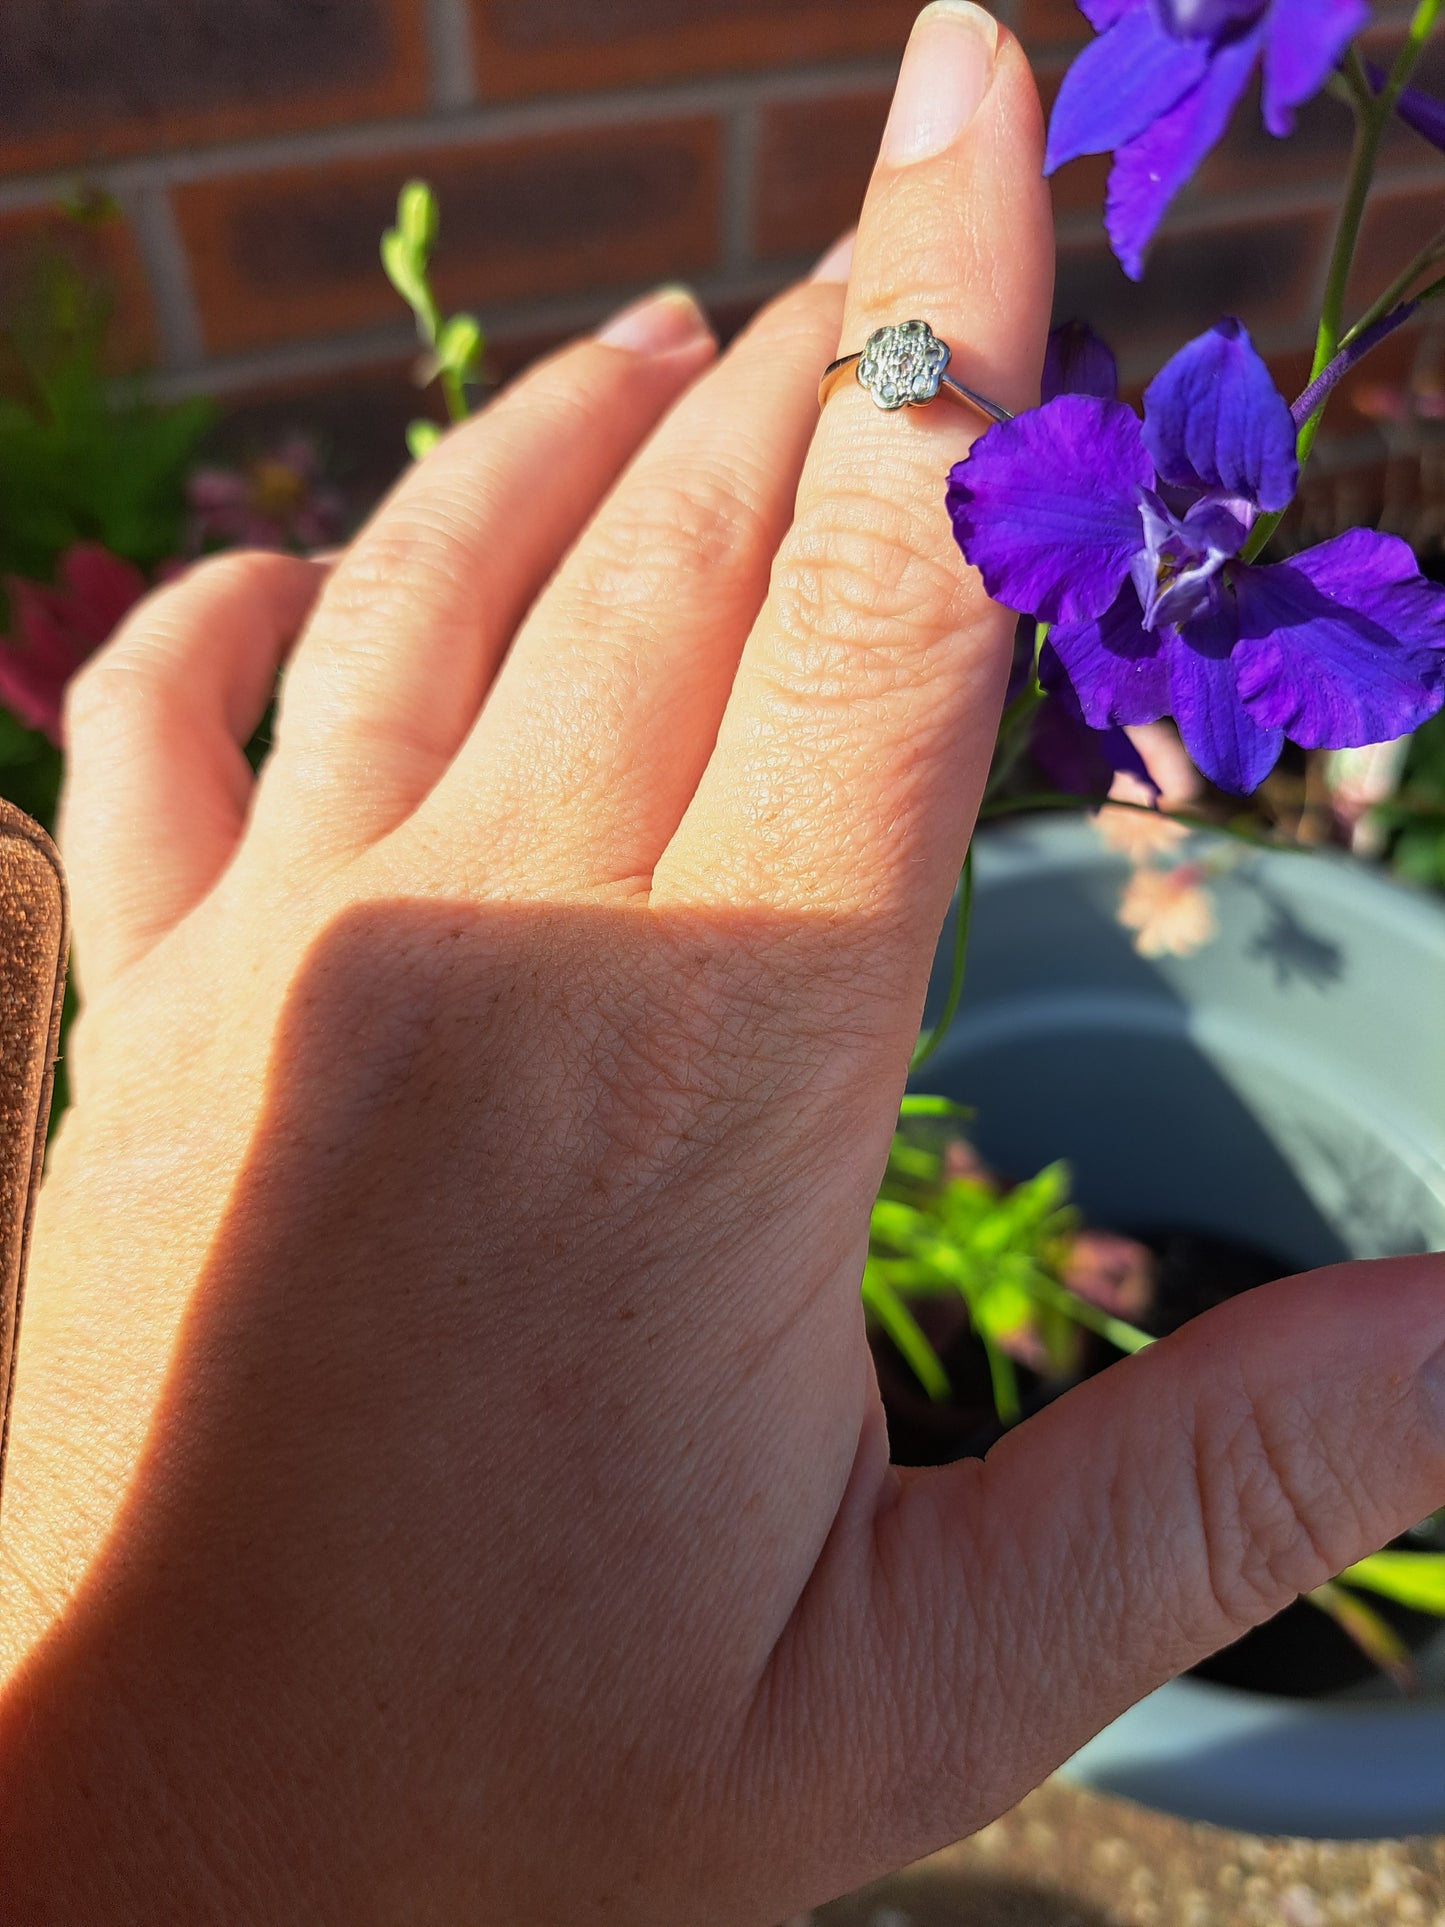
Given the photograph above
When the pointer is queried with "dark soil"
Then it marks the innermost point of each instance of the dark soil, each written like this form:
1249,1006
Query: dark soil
1300,1654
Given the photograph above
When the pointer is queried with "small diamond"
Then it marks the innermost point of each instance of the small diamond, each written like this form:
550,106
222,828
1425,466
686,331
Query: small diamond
903,364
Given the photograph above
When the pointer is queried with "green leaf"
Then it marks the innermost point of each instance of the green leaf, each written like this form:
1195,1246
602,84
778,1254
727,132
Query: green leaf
928,1104
1374,1636
459,346
408,276
1002,1308
1004,1381
1415,1579
18,745
895,1222
418,218
907,1334
421,438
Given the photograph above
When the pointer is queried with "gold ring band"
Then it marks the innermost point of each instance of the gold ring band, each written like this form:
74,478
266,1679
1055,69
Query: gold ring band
904,366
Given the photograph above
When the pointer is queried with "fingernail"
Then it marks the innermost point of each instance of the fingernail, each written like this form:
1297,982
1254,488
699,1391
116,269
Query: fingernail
667,319
837,263
946,72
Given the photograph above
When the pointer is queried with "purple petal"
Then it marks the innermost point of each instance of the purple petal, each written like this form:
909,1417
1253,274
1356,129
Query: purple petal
1114,665
1305,39
1149,170
1071,755
1342,645
1044,506
1101,14
1222,737
1212,20
1421,111
1304,405
1134,72
1176,573
1077,362
1213,419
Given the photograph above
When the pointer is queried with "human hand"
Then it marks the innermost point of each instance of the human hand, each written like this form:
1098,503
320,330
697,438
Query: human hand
447,1478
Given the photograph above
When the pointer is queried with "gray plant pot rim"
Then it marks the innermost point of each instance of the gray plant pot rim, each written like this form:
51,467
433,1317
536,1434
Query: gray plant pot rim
1338,1768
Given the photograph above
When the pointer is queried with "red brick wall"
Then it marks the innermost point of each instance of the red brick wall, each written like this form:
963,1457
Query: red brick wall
584,149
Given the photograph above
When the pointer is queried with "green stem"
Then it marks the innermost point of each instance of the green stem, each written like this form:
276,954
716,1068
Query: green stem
454,389
930,1041
1433,251
1372,116
1003,1382
1124,1337
1043,800
1014,723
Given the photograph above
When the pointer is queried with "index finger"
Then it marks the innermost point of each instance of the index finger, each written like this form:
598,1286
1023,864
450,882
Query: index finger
854,748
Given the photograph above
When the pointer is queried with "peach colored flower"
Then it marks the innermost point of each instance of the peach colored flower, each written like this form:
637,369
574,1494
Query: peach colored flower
1141,833
1131,832
1169,911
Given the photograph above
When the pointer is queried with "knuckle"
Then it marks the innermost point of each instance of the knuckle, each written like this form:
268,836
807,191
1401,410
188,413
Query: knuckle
1276,1513
857,601
237,572
674,531
797,316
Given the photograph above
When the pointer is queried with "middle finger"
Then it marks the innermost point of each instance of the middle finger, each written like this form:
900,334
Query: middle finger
602,719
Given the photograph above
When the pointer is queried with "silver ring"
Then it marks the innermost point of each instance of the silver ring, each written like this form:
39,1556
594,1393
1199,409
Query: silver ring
904,366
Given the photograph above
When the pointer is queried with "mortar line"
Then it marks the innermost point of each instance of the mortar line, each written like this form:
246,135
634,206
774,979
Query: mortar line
168,275
451,54
492,122
565,314
739,183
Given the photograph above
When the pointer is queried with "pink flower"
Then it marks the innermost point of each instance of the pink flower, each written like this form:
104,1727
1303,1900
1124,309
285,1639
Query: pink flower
1169,911
276,502
1113,1272
54,631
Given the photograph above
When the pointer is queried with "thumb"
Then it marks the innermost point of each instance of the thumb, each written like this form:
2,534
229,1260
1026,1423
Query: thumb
1001,1612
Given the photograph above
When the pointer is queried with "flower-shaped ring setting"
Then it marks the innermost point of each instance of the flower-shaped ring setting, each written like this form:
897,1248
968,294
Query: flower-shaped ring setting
905,365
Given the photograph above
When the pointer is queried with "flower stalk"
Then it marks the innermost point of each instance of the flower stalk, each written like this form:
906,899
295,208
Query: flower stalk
929,1042
1372,116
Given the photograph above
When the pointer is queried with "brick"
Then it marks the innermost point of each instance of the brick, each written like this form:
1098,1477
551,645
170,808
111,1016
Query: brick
1317,153
292,253
560,46
1249,158
1051,23
814,162
1078,187
83,81
1396,226
1266,271
358,420
105,254
359,416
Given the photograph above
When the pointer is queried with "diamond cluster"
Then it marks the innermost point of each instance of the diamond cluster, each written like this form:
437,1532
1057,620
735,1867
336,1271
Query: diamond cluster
903,365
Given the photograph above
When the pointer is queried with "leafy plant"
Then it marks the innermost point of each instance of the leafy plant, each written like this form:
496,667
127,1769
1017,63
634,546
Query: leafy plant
1415,816
941,1230
82,460
454,343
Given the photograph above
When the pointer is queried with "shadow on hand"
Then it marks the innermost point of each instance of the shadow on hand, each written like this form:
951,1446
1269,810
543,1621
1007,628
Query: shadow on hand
527,1355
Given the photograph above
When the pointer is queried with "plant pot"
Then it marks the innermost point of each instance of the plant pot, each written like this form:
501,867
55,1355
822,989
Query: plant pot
1284,1088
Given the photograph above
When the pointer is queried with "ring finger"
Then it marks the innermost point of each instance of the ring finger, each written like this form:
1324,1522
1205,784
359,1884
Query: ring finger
853,752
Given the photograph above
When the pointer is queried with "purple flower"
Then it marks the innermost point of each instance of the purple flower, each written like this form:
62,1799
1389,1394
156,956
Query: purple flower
1077,362
1418,110
1157,88
1070,754
1125,536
